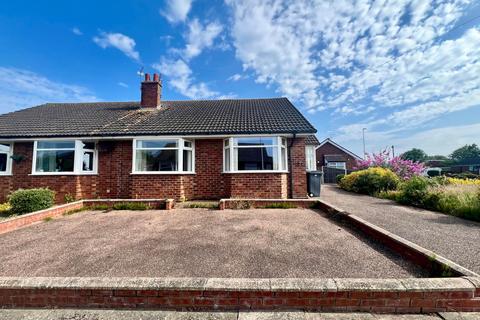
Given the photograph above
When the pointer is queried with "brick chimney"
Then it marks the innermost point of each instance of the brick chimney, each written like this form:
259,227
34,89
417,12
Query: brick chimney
151,91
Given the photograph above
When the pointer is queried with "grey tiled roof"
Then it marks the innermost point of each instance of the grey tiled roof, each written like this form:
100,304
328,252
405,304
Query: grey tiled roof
312,140
194,117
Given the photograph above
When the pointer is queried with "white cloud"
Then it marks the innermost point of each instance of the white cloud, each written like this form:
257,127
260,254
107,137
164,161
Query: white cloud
390,62
181,78
77,31
119,41
122,84
22,88
200,37
176,10
235,77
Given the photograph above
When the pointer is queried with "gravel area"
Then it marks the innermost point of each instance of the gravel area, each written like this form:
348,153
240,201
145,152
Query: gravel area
454,238
261,243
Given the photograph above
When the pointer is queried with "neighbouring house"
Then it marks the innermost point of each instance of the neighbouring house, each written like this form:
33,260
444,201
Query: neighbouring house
198,149
332,155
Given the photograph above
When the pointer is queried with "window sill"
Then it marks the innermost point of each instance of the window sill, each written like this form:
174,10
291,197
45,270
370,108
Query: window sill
6,174
163,173
63,174
255,171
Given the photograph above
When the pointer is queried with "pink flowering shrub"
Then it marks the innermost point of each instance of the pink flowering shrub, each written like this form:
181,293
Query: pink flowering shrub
405,169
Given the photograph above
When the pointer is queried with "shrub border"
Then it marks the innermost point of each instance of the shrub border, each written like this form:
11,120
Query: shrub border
220,294
28,219
261,203
429,260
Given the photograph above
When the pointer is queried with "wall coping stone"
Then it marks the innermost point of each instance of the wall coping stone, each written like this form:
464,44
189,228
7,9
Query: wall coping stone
239,284
66,205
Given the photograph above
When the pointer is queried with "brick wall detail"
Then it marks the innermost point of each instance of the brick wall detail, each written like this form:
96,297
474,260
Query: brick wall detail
328,149
114,178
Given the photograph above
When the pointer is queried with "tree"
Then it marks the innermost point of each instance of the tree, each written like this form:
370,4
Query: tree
465,153
417,155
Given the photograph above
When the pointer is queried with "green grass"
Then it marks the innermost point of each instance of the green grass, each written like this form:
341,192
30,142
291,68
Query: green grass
99,207
130,206
202,205
280,205
69,213
47,219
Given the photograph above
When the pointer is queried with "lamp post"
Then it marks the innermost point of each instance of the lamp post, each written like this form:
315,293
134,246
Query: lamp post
363,136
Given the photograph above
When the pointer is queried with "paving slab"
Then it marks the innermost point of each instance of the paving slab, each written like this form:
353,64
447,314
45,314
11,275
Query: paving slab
451,237
71,314
460,315
257,243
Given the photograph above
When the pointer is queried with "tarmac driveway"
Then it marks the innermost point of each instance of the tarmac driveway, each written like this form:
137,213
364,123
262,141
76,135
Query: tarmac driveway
454,238
264,243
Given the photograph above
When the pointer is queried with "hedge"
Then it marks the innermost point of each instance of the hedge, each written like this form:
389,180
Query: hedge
30,200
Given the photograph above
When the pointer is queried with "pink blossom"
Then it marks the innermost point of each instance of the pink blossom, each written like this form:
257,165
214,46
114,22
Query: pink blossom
405,169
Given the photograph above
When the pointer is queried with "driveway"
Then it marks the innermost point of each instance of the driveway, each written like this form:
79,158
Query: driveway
454,238
265,243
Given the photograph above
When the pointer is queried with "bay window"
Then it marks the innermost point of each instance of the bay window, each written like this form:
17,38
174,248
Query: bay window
64,157
255,154
163,156
5,159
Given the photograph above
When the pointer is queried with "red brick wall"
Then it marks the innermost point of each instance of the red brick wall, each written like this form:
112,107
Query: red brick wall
329,148
114,179
298,167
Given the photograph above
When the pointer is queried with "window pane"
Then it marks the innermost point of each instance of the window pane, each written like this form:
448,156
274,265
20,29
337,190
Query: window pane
3,162
156,144
4,147
255,141
56,144
88,158
187,160
226,142
55,161
257,158
227,160
284,159
187,144
88,145
156,160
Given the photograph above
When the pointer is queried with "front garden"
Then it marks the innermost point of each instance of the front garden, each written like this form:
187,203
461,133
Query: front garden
401,180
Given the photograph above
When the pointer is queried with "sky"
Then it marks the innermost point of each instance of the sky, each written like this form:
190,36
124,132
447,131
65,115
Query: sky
406,71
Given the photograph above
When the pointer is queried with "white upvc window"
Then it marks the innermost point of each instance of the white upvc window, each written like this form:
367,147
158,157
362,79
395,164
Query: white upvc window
163,156
311,159
255,154
338,165
58,157
5,159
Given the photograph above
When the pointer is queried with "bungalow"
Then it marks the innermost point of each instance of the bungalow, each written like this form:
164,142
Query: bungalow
198,149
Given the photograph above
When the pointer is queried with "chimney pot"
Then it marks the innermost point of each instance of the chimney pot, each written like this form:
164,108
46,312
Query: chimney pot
155,77
147,76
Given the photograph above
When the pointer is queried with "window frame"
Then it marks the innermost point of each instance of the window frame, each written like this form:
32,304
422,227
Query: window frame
344,167
9,153
281,144
77,157
314,156
179,148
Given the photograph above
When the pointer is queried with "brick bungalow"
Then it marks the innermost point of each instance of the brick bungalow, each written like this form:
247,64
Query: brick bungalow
198,149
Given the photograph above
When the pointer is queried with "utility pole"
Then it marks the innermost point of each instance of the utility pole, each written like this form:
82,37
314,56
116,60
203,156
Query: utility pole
363,135
393,151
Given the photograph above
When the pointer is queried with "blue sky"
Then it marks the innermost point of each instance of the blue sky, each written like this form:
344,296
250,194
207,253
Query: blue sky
408,71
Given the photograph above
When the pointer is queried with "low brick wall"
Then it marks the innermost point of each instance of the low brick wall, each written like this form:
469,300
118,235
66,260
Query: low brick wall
28,219
262,203
164,204
364,295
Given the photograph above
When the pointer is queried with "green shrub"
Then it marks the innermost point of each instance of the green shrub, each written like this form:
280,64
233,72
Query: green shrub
389,195
414,191
202,205
30,200
280,205
370,181
130,206
68,198
339,177
458,200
